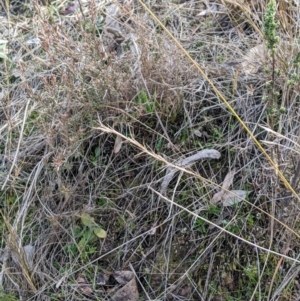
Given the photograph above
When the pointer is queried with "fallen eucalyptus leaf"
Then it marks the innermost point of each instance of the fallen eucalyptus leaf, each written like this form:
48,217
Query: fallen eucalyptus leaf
118,144
29,253
228,180
234,197
217,197
170,173
185,162
28,256
204,154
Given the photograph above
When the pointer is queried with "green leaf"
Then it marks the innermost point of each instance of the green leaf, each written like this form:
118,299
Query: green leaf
97,152
99,232
87,220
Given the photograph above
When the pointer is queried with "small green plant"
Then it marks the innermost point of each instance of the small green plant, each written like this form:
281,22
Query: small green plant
86,238
159,144
294,77
216,134
7,297
269,27
92,226
251,272
94,27
85,245
84,248
95,156
184,135
144,100
212,212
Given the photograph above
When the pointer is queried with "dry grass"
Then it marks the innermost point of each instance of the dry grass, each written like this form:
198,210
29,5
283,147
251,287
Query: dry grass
72,81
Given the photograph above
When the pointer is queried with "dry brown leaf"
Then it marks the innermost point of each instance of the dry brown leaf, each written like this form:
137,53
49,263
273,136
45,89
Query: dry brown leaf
225,186
128,292
198,133
123,277
86,289
80,280
217,197
118,144
84,286
228,179
234,197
